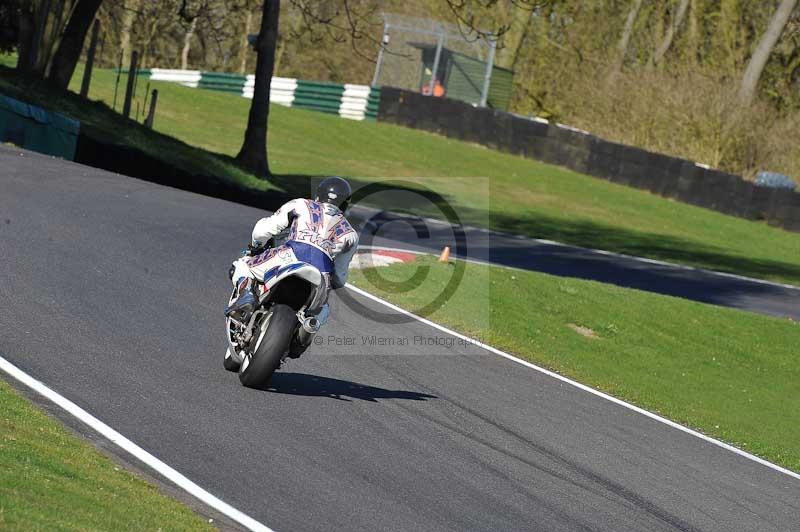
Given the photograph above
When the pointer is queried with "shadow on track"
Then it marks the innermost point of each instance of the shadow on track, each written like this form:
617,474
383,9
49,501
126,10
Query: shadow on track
316,386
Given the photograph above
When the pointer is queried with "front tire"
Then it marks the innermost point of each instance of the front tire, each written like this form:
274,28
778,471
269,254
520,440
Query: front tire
273,342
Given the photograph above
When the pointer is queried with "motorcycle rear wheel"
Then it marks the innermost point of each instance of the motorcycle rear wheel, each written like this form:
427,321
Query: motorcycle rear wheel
275,333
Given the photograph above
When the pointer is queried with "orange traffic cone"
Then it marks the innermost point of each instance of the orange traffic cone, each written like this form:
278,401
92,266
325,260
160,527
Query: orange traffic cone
445,256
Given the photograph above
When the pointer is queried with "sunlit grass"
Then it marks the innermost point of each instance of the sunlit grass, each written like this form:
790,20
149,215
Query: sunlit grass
51,480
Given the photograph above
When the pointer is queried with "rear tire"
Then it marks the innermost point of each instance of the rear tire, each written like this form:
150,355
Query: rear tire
257,369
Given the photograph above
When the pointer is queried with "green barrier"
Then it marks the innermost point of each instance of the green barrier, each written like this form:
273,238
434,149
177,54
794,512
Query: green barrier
36,129
222,76
225,87
314,95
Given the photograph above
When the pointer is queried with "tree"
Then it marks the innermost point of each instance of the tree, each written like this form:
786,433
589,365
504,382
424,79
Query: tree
39,27
752,74
625,38
253,154
71,45
187,43
677,21
248,20
520,21
9,26
49,35
130,8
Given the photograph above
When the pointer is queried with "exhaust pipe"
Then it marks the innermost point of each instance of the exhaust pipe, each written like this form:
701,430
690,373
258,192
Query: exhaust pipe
308,328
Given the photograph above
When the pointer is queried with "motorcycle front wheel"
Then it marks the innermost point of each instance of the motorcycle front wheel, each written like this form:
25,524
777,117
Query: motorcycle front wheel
274,335
229,363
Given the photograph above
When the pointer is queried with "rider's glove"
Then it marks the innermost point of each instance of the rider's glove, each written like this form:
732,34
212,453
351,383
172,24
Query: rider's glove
252,250
258,249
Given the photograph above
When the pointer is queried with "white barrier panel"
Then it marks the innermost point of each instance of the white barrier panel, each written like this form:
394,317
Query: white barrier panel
354,101
281,98
185,76
358,91
354,106
352,115
288,84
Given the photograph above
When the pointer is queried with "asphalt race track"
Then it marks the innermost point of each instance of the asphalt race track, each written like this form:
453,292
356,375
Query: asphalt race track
113,290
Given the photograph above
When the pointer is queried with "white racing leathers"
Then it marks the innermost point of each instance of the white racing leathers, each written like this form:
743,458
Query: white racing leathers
319,234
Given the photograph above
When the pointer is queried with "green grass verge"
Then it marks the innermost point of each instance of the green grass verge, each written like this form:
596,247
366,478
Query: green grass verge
487,188
51,480
731,374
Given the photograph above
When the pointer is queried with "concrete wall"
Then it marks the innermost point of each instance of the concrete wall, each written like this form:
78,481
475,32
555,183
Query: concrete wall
666,176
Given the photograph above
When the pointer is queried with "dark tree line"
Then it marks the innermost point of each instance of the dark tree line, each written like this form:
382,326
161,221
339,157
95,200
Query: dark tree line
48,35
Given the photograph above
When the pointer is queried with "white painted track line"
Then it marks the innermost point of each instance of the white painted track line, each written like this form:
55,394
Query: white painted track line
128,446
577,384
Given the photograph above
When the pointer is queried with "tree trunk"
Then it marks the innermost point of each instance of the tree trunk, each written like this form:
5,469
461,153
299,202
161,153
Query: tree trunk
280,48
513,38
128,16
69,50
253,155
39,29
627,33
145,44
187,44
677,21
54,26
693,38
747,89
248,21
27,31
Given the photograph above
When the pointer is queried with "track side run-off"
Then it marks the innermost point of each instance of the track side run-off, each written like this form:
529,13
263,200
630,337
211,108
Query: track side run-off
377,257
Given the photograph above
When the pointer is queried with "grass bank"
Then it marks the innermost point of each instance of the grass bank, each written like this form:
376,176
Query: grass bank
730,374
51,480
202,130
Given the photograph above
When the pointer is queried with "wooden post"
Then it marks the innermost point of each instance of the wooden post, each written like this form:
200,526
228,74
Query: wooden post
126,106
148,122
146,94
116,83
87,72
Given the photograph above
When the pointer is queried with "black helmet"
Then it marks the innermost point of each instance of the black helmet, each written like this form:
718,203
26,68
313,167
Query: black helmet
334,190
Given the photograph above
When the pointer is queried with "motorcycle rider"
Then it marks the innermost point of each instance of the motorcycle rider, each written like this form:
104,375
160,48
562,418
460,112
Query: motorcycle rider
319,234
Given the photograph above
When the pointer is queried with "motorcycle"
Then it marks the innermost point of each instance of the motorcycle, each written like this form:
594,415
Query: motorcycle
286,288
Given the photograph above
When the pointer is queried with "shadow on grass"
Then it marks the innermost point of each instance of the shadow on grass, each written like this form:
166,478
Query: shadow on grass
316,386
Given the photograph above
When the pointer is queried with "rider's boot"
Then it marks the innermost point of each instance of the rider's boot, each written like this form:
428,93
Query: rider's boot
245,304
